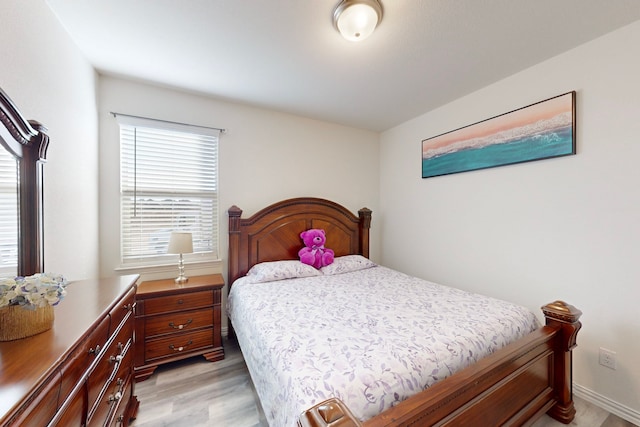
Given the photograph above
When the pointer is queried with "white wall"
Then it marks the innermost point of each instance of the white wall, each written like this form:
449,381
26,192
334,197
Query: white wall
564,228
264,157
43,72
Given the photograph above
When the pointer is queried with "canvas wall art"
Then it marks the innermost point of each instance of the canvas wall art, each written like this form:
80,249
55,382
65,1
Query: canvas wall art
539,131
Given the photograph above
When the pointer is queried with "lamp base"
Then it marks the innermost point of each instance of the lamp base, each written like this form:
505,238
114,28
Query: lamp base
181,279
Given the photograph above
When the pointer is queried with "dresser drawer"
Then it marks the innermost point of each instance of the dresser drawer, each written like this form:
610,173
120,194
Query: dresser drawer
181,302
175,345
120,411
82,358
122,309
117,355
72,414
43,408
118,390
178,321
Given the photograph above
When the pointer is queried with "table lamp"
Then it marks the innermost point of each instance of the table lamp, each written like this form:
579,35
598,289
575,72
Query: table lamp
180,242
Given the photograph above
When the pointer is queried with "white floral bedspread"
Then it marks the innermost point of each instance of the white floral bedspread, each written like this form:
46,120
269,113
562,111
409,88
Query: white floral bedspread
371,338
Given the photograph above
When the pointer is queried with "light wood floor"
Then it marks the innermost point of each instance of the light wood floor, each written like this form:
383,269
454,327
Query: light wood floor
195,393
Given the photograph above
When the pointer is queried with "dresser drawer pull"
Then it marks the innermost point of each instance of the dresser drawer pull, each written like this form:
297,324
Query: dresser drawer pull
180,301
174,348
127,307
118,394
180,327
118,358
95,351
115,397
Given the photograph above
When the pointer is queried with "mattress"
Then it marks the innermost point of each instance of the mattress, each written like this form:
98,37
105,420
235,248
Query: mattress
370,336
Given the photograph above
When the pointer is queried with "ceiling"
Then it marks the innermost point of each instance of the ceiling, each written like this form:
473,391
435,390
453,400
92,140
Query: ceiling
285,54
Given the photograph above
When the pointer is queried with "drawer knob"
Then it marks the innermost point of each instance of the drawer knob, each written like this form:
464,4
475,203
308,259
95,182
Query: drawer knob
116,358
95,350
174,348
180,327
115,397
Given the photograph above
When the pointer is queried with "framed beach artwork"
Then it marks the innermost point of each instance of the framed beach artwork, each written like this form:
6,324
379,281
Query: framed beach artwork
539,131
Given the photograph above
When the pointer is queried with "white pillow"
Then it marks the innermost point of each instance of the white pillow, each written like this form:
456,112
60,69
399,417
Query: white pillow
347,264
280,270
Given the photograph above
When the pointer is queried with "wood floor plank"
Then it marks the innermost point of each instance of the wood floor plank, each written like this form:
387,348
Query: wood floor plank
195,392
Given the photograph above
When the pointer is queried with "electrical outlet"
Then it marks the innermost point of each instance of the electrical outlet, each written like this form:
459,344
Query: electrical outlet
608,358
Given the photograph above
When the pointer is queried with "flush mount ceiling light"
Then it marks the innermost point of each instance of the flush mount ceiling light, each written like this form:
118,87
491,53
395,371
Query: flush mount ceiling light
356,19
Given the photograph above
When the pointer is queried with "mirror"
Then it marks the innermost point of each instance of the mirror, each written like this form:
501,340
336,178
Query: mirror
26,142
8,214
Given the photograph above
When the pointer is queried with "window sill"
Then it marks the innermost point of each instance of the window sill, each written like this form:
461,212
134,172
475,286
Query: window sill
162,271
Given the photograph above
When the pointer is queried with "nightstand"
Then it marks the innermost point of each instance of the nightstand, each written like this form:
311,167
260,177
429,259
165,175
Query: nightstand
174,322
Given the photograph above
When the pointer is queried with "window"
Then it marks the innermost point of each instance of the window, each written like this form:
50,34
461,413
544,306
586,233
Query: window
168,182
8,214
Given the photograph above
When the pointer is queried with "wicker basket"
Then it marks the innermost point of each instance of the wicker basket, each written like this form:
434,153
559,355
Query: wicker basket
17,322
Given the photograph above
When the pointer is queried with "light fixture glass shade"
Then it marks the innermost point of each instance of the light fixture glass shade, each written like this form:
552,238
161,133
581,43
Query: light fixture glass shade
180,242
356,19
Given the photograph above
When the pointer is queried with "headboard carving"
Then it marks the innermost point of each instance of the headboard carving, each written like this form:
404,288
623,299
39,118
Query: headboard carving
273,233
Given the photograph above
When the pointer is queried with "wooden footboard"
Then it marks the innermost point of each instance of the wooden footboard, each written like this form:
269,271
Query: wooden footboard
513,386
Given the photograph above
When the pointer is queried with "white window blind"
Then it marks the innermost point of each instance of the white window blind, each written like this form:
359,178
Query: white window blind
8,214
168,182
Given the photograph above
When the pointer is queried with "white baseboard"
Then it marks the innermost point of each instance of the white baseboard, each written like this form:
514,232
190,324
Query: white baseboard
609,405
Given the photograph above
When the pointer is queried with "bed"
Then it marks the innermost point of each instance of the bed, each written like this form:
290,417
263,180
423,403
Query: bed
513,381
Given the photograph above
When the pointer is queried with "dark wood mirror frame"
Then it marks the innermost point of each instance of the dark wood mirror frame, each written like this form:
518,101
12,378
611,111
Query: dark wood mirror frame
27,141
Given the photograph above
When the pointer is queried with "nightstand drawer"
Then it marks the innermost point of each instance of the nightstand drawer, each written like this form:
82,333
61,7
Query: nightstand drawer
181,302
177,322
175,345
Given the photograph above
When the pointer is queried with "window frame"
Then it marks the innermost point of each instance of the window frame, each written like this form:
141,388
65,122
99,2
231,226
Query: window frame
161,126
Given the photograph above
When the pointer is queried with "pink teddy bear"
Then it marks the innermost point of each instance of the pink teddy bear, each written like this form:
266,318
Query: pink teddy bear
314,253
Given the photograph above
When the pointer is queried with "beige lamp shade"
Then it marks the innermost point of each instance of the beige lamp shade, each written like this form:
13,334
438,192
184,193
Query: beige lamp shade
180,242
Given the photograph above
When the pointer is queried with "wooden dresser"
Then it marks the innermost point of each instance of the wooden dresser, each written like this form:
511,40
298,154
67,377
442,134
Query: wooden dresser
177,321
80,372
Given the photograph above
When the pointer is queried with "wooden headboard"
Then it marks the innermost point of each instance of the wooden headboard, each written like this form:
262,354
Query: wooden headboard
274,232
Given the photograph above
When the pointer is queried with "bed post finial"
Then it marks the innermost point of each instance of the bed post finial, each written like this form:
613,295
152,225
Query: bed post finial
565,318
365,217
365,224
234,213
